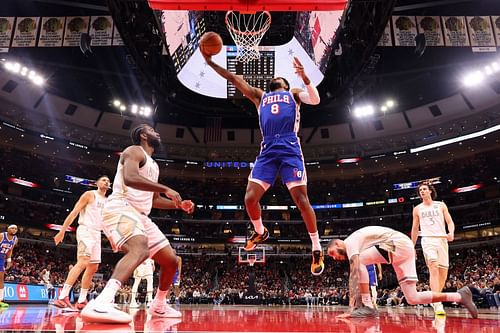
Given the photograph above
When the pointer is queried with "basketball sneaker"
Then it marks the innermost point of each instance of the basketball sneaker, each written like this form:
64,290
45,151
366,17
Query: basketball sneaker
134,304
104,313
80,306
65,305
467,301
364,312
164,310
256,239
317,265
439,309
3,304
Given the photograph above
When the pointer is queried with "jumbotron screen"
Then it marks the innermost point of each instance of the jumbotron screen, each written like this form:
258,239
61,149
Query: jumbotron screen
311,43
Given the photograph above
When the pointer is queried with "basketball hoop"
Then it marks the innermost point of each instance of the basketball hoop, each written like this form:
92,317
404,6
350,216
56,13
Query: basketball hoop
247,30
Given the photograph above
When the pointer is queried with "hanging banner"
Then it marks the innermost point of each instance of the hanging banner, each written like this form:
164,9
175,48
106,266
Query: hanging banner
75,26
481,34
6,29
51,32
455,31
430,26
25,33
101,30
405,30
496,28
117,39
386,38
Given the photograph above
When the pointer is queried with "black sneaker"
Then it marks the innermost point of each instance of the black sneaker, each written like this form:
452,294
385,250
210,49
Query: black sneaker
466,301
364,312
256,239
317,265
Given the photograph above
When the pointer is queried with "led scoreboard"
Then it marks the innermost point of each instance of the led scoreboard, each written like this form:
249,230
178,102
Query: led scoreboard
256,73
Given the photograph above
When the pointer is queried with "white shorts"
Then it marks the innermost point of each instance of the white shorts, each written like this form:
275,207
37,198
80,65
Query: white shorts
143,271
436,249
403,261
121,222
89,243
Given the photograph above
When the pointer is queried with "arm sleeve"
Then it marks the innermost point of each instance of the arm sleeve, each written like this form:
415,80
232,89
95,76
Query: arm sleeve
310,96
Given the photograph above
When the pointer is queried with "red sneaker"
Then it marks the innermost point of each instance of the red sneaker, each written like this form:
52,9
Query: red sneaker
65,304
80,306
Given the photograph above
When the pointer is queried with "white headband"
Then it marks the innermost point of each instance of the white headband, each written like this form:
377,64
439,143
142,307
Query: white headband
12,226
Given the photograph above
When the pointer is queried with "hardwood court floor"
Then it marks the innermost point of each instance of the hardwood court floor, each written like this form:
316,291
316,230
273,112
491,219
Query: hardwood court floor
207,318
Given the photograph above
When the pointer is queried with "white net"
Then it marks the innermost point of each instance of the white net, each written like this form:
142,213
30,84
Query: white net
247,30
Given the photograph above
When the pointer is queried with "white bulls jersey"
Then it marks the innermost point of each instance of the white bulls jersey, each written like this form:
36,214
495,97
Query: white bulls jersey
91,215
386,238
140,200
432,223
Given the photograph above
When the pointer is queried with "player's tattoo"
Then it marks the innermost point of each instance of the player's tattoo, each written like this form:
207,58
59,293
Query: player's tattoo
354,292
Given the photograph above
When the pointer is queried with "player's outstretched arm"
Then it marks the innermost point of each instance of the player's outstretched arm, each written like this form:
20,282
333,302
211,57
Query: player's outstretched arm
131,158
311,95
252,93
164,203
80,204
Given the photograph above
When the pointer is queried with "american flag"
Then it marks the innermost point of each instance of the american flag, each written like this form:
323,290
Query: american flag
213,129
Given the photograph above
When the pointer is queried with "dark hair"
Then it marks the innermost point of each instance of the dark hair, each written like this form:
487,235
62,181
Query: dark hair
431,188
278,77
136,132
102,176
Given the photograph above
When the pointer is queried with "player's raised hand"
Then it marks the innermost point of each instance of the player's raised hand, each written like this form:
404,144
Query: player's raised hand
299,68
58,238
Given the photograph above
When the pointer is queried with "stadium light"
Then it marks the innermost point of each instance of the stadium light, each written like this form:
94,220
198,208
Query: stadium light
117,103
390,103
134,108
473,79
19,69
123,108
363,111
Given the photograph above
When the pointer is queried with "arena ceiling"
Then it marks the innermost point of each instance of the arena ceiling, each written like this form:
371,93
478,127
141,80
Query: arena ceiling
96,78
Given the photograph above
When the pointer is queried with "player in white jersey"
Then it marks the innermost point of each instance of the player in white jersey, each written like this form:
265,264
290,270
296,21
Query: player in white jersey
88,236
432,217
143,271
129,229
372,245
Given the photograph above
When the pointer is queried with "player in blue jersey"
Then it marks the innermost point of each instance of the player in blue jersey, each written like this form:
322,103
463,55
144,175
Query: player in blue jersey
177,280
280,153
7,242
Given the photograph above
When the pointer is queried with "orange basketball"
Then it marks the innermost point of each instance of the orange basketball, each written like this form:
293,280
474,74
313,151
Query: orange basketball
210,43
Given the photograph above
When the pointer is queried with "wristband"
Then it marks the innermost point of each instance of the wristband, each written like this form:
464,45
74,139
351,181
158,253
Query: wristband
9,260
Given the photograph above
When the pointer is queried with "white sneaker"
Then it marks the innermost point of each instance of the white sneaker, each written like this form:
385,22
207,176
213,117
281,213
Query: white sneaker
134,305
104,313
163,310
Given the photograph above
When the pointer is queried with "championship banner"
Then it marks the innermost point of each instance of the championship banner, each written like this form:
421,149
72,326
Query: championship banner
430,26
405,30
117,39
386,38
496,28
51,32
101,30
75,26
26,31
481,34
455,31
6,29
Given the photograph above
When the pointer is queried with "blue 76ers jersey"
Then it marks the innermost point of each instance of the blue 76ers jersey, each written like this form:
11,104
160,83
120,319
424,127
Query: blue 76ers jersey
6,244
278,114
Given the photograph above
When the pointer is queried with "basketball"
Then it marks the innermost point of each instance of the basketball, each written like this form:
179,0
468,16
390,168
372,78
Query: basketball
210,43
